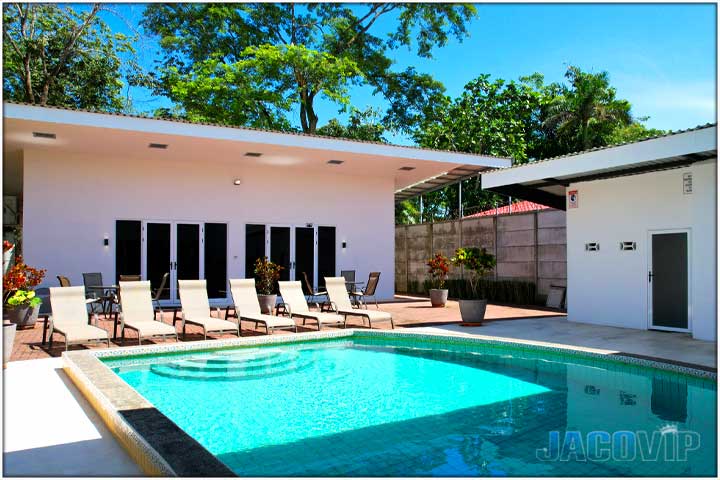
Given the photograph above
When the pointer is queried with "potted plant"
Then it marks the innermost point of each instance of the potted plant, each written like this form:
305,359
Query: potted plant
21,303
477,262
438,269
267,274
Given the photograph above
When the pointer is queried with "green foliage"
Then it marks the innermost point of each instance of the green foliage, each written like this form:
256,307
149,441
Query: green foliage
514,292
55,55
255,63
363,125
585,113
24,298
267,274
477,262
523,120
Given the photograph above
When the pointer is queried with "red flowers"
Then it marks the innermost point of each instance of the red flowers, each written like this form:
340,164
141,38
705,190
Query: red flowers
21,276
439,269
7,246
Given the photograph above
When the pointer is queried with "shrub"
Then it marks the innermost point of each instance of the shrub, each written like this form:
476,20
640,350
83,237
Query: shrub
478,262
439,267
267,274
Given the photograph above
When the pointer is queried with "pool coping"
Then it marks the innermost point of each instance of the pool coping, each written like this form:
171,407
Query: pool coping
161,448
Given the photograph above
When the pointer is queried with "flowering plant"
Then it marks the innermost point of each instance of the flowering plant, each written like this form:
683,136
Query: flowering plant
24,298
477,261
7,246
22,277
266,274
439,267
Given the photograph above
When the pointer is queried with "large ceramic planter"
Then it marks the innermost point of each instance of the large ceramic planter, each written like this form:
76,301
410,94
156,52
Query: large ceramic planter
438,297
23,317
267,303
472,311
8,341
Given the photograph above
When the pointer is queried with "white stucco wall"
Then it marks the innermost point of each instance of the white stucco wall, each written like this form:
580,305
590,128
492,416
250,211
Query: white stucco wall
71,202
610,287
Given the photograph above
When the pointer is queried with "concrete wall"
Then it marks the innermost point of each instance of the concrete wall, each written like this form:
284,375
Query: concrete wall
528,246
610,286
73,200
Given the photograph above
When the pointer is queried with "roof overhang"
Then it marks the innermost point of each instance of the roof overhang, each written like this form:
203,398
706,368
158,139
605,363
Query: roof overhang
545,181
120,135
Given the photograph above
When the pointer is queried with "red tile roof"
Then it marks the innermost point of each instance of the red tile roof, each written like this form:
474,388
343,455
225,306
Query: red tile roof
518,207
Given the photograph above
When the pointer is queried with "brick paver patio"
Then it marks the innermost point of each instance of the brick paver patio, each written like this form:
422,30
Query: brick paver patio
407,311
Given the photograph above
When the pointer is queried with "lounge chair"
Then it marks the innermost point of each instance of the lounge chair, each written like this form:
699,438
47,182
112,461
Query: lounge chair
137,312
295,305
196,309
247,306
311,293
70,318
340,303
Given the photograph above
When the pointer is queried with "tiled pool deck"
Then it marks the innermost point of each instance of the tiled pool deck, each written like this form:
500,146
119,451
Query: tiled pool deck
408,312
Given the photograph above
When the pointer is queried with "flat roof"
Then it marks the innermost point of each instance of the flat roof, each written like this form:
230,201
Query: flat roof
544,181
101,133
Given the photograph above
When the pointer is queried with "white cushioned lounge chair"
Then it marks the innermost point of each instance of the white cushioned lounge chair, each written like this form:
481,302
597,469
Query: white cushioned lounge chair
138,313
247,306
70,318
340,303
296,305
196,309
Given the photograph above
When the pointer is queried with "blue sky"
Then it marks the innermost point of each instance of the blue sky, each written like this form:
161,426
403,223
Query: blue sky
661,57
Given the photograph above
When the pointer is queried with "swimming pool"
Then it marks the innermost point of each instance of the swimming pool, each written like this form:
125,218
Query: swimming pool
394,405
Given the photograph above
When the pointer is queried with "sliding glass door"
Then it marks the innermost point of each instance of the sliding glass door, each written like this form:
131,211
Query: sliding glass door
308,250
180,250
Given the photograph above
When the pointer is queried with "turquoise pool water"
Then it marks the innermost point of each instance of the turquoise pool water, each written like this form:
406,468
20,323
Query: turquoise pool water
394,407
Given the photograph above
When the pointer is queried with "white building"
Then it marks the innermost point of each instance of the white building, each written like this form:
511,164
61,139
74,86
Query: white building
129,195
641,229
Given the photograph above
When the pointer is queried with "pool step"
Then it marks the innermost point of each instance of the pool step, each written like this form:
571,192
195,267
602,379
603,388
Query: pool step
233,366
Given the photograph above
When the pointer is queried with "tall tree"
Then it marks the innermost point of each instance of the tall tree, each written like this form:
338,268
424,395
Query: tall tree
586,112
253,64
56,55
366,125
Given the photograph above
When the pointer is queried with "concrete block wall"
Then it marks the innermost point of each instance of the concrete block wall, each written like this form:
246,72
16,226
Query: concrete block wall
528,247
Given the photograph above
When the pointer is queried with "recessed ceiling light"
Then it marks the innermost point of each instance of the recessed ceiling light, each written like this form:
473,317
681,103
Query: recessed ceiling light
406,169
335,162
237,181
161,146
44,135
253,154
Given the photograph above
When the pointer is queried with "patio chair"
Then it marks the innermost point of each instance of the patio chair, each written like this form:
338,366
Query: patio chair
349,276
369,290
137,312
92,301
130,278
157,296
295,305
340,303
247,307
196,309
93,283
70,318
311,292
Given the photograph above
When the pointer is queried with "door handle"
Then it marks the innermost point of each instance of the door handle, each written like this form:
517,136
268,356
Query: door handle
650,276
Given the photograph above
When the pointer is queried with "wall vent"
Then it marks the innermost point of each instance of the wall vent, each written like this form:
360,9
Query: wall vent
592,247
335,162
160,146
253,154
628,246
44,135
